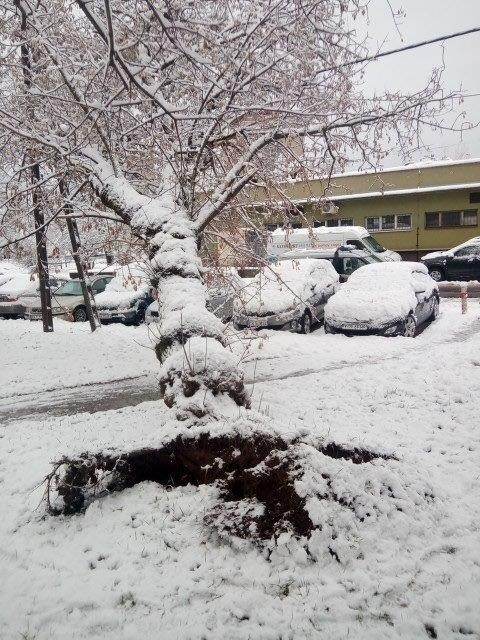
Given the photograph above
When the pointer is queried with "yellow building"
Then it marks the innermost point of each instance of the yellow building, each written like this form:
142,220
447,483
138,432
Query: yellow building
411,209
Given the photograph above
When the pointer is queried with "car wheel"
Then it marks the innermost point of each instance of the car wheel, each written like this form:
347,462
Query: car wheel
436,309
437,274
80,314
409,327
306,322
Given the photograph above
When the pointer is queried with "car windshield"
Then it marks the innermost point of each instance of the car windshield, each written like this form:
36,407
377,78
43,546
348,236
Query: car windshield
373,245
73,288
371,259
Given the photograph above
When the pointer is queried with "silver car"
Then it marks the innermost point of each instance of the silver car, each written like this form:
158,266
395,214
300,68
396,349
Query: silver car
290,295
66,300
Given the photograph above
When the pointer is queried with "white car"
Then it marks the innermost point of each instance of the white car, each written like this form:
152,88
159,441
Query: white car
290,295
387,298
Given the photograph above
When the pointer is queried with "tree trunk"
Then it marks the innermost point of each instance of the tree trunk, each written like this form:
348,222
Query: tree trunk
198,373
42,258
199,376
88,297
38,217
87,292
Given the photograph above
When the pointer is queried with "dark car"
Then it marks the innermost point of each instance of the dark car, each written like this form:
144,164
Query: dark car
387,299
128,308
460,263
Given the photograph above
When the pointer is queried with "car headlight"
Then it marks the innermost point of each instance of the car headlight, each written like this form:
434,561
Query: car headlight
390,330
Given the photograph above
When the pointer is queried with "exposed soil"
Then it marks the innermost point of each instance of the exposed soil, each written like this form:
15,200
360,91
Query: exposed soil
356,454
255,477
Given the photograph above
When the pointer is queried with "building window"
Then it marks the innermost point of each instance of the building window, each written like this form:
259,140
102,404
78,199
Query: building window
449,219
334,222
391,222
404,222
475,197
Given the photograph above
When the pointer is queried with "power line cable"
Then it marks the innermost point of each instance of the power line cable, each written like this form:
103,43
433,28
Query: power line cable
407,47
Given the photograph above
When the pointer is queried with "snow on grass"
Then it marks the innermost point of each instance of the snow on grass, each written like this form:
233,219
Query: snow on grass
71,356
142,563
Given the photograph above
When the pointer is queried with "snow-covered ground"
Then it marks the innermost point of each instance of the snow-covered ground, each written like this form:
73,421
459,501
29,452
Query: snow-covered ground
70,356
142,563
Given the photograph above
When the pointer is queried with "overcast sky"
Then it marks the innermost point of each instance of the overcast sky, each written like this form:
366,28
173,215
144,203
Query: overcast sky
428,19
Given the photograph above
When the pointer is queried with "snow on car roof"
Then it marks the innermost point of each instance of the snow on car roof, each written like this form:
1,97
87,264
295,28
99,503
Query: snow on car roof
344,250
320,231
130,277
295,269
10,269
18,284
130,282
387,271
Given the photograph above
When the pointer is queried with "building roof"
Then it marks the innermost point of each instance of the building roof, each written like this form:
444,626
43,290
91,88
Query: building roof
447,175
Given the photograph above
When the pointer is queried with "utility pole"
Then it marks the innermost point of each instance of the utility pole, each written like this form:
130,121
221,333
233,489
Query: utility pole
38,215
87,291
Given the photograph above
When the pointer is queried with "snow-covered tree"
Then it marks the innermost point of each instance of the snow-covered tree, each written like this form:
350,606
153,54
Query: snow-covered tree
166,110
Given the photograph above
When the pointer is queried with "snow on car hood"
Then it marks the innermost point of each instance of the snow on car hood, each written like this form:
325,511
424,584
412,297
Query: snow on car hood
437,254
118,299
285,286
375,308
450,252
129,284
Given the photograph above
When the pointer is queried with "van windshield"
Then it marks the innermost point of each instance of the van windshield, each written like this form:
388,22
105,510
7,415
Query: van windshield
373,245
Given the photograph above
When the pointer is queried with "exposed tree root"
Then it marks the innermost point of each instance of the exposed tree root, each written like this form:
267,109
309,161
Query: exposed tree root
255,476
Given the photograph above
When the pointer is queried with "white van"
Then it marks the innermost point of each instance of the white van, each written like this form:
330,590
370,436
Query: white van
328,238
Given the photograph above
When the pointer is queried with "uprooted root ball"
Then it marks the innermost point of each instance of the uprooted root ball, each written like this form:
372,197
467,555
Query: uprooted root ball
255,475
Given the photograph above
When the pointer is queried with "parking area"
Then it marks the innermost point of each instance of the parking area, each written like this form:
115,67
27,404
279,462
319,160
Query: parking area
115,367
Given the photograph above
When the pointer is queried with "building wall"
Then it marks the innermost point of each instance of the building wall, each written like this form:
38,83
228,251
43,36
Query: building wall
418,237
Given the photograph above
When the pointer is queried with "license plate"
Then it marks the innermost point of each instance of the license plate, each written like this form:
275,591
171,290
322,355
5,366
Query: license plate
357,326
